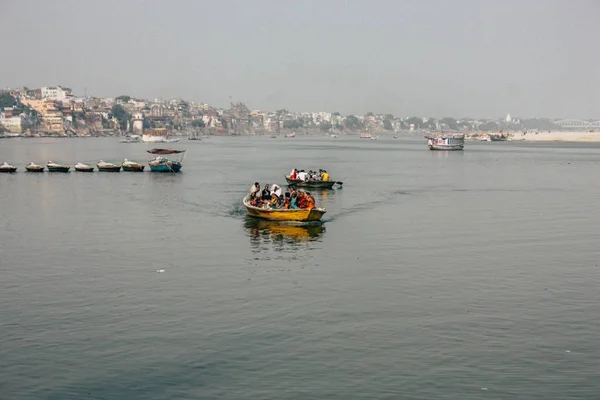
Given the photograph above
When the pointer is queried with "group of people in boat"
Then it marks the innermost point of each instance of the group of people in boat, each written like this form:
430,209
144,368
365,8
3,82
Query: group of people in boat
274,198
301,175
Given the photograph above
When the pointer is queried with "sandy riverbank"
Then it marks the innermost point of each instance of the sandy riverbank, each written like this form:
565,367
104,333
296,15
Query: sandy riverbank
557,136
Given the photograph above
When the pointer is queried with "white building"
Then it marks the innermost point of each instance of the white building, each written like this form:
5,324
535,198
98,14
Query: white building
138,123
55,93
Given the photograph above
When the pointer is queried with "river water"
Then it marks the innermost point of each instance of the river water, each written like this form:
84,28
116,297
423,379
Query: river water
458,275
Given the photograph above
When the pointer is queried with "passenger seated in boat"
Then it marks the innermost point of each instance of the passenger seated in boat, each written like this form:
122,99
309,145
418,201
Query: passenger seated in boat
302,201
294,174
286,201
255,188
266,193
276,189
255,200
281,202
325,176
310,201
293,200
302,176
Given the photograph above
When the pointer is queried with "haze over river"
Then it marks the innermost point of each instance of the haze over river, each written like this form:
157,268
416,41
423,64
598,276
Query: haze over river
436,275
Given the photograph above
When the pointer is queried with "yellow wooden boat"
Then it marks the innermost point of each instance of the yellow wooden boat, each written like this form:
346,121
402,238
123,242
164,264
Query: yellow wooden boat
297,215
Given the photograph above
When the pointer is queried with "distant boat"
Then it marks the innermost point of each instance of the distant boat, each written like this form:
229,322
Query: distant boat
158,136
132,166
498,137
365,136
80,167
194,138
334,136
54,167
6,167
130,139
104,166
291,135
485,138
311,184
446,142
273,137
164,164
33,167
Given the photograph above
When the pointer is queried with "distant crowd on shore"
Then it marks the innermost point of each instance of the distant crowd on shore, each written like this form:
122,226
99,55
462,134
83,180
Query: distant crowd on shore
273,198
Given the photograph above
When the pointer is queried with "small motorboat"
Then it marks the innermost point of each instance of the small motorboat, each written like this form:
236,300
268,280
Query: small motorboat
6,167
104,166
33,167
83,167
287,215
159,163
54,167
194,138
132,166
311,184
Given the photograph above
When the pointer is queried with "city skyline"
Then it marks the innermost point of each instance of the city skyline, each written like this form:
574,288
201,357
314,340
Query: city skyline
458,59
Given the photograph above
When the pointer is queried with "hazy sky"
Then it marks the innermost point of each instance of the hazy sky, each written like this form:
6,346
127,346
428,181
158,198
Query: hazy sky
431,58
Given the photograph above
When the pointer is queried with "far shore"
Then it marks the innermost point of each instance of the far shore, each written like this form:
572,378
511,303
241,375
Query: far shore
557,136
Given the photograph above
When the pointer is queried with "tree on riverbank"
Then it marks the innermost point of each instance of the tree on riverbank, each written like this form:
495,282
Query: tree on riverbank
7,100
121,115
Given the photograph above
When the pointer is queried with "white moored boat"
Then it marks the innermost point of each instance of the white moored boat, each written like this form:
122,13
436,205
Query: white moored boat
83,167
6,167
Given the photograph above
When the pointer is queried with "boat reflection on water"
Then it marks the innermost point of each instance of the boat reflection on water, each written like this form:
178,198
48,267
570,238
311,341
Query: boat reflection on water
283,236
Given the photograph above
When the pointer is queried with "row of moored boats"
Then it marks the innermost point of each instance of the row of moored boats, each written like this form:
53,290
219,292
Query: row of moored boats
159,163
102,166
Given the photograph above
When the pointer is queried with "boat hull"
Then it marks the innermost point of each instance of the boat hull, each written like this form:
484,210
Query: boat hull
134,168
447,147
84,169
58,169
310,184
170,167
109,169
298,215
34,169
8,170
